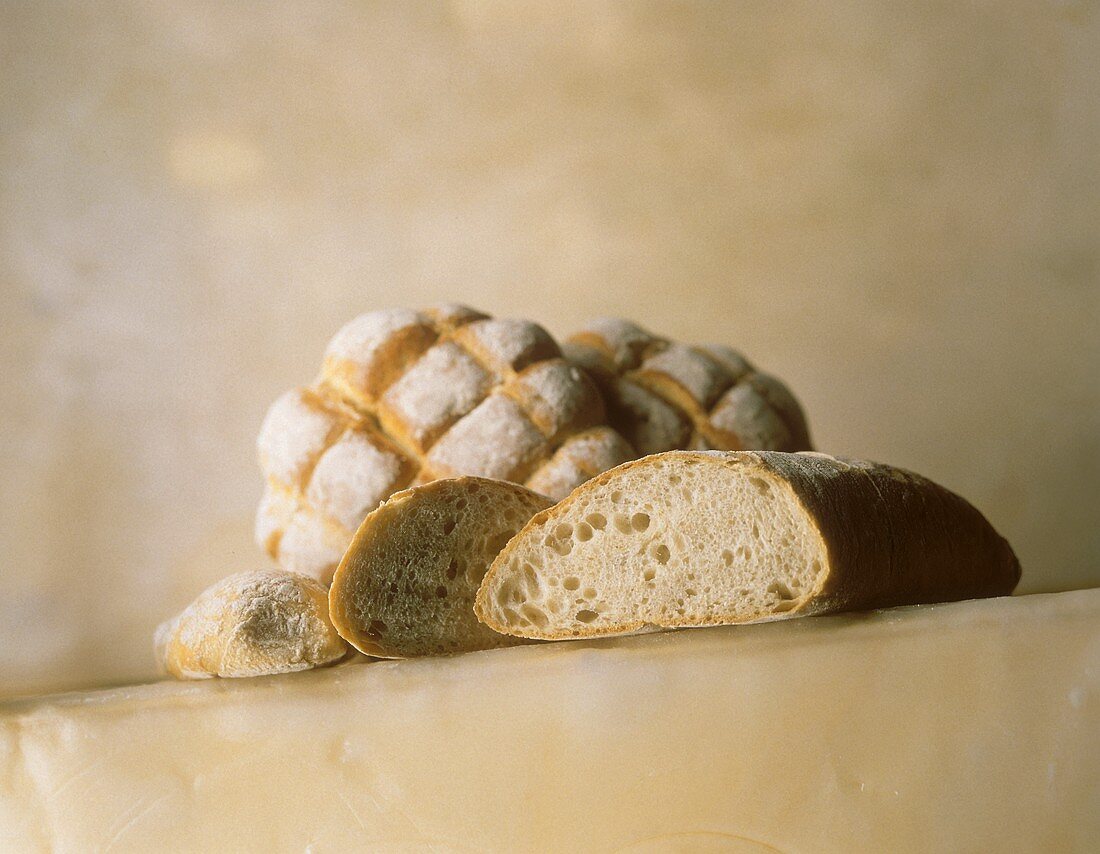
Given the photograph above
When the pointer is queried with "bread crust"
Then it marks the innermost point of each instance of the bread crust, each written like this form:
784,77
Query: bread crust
663,395
893,537
251,624
887,537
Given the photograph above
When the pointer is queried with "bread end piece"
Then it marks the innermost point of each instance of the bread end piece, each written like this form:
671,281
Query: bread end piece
251,624
407,583
703,538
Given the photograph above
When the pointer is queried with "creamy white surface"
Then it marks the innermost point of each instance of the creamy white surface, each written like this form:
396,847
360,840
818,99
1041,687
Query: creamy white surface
963,727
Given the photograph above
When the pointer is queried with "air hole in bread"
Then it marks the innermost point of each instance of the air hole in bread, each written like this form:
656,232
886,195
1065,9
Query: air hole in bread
649,574
584,532
589,593
562,547
689,592
452,569
377,628
674,479
639,521
571,583
661,553
622,523
535,615
761,485
514,596
441,592
564,531
616,497
781,590
597,521
586,616
727,557
449,525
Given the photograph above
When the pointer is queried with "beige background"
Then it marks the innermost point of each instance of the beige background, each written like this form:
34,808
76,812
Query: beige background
895,207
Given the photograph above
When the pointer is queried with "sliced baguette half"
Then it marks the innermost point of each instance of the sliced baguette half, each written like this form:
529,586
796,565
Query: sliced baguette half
407,583
690,538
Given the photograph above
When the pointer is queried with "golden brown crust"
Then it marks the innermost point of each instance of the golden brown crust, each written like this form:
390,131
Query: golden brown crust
894,537
251,624
662,395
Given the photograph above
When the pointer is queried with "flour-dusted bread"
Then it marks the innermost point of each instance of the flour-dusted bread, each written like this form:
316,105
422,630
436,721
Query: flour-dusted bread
662,395
407,584
407,397
251,624
689,538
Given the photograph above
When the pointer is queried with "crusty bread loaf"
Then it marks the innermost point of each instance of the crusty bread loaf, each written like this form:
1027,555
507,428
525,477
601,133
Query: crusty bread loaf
690,538
251,624
662,395
407,397
406,586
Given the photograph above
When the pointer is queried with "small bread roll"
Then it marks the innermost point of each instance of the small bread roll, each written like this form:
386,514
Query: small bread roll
251,624
406,586
662,395
690,538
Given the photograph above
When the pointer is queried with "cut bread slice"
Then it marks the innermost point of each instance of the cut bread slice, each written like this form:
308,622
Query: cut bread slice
407,583
689,538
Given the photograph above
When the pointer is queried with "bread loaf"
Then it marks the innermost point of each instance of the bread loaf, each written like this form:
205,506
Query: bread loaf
406,397
406,586
662,395
702,538
251,624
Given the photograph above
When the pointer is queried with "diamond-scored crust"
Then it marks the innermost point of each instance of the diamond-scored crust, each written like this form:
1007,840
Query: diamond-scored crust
662,395
442,386
406,397
579,458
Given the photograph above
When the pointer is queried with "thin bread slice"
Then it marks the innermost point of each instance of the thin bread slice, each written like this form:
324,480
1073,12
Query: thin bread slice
407,583
689,538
